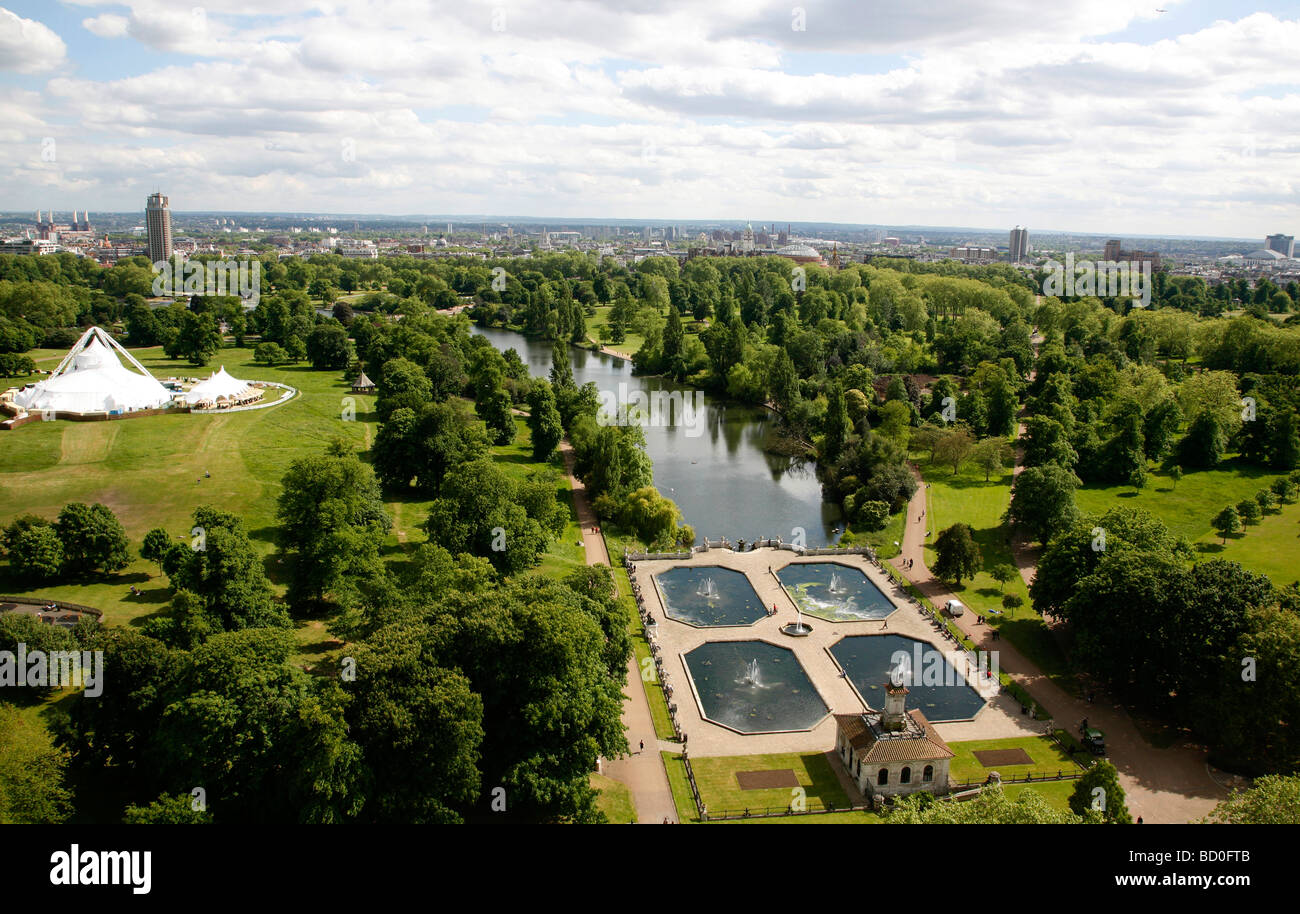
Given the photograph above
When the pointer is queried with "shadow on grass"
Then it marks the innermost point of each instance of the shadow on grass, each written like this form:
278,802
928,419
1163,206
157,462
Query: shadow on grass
154,595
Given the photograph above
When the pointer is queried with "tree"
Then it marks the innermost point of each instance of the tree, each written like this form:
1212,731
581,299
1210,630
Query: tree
1099,789
328,346
35,550
1074,553
871,515
990,807
535,653
32,790
1002,573
1226,523
198,339
92,537
1042,501
1272,800
479,512
1176,474
422,445
958,555
497,413
1249,511
419,726
402,383
1012,601
332,518
836,426
168,809
271,354
989,455
544,421
157,543
954,447
1205,443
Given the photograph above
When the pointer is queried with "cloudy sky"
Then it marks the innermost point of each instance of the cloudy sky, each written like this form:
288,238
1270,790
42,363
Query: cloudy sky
1090,115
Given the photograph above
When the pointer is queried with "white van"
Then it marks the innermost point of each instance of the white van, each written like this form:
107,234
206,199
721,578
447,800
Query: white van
954,608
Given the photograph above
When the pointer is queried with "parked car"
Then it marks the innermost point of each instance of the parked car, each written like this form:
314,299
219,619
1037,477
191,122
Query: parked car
1092,738
954,608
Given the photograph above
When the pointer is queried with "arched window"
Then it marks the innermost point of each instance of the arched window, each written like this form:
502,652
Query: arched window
883,778
928,774
905,777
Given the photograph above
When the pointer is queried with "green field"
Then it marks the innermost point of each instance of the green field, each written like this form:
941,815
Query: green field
967,498
721,791
152,472
1272,547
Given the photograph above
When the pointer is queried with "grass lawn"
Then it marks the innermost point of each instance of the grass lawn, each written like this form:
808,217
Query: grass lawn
615,800
641,650
596,331
1056,793
1272,547
886,543
1048,759
967,498
721,791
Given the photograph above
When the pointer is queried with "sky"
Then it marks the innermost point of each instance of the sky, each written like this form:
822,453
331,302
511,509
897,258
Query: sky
1100,116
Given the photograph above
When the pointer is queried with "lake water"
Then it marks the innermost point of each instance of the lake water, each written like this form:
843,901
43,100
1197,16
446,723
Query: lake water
714,466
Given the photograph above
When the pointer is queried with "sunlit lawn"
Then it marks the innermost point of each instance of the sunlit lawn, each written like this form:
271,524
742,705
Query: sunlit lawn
1048,759
615,799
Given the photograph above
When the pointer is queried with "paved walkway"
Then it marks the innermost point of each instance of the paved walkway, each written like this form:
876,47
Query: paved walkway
1161,785
643,771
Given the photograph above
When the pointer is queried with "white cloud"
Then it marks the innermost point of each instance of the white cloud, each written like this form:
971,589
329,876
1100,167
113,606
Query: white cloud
675,109
27,46
107,26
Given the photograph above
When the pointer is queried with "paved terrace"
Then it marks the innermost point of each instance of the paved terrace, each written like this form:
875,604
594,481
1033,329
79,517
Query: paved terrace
1000,718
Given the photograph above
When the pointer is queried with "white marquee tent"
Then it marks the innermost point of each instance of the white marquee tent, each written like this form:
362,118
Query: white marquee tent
92,379
220,385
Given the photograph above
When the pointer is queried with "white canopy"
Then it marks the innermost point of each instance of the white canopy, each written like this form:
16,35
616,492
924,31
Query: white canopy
219,384
92,379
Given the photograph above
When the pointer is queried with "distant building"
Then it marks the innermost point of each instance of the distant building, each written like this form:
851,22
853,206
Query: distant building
158,224
1019,247
28,246
974,254
1283,244
1114,252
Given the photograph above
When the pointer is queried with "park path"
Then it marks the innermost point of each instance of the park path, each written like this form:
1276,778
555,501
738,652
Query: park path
1171,785
642,771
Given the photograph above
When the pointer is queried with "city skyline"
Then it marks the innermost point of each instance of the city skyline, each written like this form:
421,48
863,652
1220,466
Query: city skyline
1102,117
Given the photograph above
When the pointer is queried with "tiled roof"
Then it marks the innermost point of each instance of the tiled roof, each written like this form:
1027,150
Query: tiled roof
919,742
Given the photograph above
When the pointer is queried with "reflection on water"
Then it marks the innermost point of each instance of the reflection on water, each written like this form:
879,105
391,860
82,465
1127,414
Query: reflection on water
723,480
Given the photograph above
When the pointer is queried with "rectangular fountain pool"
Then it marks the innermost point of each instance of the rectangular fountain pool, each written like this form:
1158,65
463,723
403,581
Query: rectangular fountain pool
834,592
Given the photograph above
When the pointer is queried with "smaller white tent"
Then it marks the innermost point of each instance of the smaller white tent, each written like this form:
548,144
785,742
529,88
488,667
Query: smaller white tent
92,379
219,385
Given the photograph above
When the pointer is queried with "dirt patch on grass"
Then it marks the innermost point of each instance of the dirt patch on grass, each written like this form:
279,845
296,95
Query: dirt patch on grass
997,758
766,780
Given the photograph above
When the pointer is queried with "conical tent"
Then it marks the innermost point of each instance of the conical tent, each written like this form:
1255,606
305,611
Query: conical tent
220,384
92,379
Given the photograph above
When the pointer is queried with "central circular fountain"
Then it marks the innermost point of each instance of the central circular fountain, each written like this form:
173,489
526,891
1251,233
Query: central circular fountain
798,628
753,687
